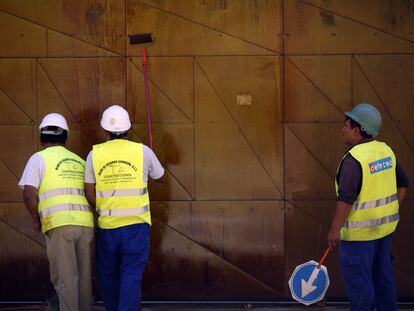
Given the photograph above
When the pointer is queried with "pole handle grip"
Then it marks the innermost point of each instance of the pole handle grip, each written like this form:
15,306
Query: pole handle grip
324,257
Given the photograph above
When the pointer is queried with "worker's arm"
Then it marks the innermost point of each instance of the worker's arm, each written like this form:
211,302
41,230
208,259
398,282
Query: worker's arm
402,182
90,183
30,201
401,194
90,193
341,213
153,166
349,186
162,179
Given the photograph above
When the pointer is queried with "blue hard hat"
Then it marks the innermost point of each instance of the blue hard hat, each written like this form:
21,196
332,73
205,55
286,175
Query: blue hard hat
368,117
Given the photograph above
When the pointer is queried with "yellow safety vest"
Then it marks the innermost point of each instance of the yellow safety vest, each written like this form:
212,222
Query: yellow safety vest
375,212
61,196
121,193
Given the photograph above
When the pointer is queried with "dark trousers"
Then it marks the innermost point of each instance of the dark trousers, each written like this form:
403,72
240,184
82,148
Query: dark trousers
121,256
367,272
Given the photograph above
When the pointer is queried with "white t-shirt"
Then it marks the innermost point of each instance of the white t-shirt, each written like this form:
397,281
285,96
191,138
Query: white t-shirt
152,167
35,169
33,172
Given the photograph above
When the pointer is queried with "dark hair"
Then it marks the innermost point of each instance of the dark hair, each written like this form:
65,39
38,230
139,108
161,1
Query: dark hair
355,124
117,135
58,138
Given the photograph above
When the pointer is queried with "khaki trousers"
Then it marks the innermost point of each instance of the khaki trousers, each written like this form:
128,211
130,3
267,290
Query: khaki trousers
69,254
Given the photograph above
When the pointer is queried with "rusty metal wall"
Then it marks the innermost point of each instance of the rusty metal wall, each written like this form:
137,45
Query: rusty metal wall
247,103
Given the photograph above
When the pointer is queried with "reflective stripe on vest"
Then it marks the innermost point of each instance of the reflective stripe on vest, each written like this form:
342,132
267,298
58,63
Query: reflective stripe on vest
374,214
372,223
120,192
63,207
61,191
376,203
124,212
61,196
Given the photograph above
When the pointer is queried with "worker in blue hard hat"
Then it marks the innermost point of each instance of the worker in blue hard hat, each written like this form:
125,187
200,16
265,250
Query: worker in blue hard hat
370,185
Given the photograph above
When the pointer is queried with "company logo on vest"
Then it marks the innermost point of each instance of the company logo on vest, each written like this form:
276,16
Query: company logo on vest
380,165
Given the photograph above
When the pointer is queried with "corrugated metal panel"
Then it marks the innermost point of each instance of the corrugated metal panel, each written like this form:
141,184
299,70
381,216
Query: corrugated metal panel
247,122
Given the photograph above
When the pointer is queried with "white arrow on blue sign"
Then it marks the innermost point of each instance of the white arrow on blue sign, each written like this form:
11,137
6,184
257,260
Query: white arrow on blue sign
308,284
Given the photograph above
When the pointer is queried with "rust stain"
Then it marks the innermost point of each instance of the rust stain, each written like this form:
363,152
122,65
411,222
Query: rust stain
256,10
222,4
392,12
327,19
301,17
70,11
217,5
407,6
93,16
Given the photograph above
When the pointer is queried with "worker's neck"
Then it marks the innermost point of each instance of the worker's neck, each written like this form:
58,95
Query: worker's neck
47,145
362,140
114,138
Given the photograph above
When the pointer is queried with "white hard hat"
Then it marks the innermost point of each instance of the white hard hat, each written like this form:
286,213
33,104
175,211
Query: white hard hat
115,119
54,119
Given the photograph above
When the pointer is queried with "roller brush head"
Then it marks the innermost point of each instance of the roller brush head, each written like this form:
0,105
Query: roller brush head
140,38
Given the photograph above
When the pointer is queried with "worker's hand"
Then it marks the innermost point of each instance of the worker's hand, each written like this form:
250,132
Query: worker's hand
37,226
334,237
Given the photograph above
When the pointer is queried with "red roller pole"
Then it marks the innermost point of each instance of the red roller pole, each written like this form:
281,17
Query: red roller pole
147,98
144,38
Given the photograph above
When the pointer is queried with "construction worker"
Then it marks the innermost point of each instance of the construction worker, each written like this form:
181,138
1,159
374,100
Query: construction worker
53,192
116,184
370,185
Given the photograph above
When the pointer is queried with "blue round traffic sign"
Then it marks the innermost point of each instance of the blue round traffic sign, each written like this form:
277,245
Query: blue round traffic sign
308,283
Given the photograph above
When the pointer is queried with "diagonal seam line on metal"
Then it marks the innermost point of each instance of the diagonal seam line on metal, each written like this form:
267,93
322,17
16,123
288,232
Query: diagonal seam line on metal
314,85
115,54
64,102
15,103
160,90
356,21
9,169
60,32
312,154
239,129
208,27
175,178
383,104
309,214
217,256
411,277
22,233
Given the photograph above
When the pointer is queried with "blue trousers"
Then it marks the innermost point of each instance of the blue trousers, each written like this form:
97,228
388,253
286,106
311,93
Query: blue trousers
121,256
367,272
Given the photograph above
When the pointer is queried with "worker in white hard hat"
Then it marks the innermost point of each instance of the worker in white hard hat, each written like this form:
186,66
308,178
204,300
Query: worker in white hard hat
116,179
370,185
53,192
